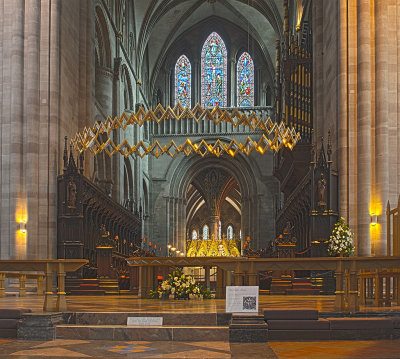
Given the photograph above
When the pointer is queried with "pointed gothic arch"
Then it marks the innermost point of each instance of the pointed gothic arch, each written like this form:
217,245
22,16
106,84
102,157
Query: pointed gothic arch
183,81
245,81
214,89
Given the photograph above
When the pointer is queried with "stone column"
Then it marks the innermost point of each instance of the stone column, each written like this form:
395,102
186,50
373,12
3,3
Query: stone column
214,225
104,88
364,98
381,120
55,142
342,128
13,202
233,82
398,99
32,120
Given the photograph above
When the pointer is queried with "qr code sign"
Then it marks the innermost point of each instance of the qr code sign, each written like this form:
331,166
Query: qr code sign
249,303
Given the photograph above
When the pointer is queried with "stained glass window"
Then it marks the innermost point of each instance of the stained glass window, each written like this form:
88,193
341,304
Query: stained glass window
213,72
219,230
205,232
194,234
229,232
245,81
183,79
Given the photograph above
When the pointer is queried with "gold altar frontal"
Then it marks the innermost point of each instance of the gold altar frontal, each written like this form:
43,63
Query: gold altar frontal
351,273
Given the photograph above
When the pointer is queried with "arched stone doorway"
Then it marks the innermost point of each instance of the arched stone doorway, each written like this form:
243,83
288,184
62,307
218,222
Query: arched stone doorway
214,204
252,190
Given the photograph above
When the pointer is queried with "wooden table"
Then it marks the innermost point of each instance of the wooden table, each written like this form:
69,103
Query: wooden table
48,267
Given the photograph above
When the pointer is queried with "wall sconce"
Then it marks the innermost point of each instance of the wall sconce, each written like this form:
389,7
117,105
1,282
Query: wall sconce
374,219
22,227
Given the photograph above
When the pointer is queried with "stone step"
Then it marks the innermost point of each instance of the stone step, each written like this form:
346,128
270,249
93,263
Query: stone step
160,333
169,319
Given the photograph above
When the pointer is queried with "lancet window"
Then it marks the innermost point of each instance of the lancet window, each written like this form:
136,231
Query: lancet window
205,232
214,72
245,81
183,79
229,232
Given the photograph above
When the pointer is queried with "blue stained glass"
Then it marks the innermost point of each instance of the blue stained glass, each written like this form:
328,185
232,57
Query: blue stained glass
183,79
214,72
245,81
205,232
229,232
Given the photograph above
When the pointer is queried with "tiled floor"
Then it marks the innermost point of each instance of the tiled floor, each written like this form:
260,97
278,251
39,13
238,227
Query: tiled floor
128,349
128,303
102,349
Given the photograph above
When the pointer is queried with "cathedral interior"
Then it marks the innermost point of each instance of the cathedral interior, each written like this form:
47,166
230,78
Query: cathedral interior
288,60
187,88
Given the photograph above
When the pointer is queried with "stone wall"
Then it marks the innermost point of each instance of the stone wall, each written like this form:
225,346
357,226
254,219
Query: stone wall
356,82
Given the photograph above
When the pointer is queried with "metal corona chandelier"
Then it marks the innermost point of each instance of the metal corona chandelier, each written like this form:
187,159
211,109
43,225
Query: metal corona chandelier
272,135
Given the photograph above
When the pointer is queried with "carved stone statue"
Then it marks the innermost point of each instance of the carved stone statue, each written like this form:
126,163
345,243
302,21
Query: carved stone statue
321,187
71,195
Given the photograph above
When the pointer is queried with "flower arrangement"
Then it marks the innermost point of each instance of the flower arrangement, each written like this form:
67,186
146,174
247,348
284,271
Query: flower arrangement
181,286
341,241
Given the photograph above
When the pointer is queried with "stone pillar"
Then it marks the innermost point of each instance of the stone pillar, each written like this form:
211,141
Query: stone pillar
13,202
104,88
364,118
195,83
32,121
381,121
393,79
55,142
233,82
214,225
398,100
342,128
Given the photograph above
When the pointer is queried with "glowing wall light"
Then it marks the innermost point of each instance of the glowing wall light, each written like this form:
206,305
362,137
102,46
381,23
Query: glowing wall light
22,227
374,219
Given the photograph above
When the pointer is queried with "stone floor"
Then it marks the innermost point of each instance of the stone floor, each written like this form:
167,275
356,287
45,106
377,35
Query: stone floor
282,350
134,349
129,303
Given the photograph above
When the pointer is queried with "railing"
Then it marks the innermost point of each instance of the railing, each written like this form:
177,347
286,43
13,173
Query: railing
349,273
187,126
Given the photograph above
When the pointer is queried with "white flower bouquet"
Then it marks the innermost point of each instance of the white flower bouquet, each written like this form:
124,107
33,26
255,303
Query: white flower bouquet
180,285
341,241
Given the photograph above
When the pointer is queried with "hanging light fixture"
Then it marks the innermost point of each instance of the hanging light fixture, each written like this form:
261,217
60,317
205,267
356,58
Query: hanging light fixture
271,135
